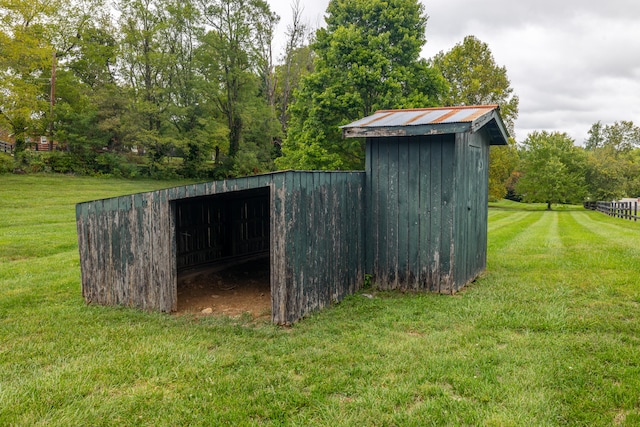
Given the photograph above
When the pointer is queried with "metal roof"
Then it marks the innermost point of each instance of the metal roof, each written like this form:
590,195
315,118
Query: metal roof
430,121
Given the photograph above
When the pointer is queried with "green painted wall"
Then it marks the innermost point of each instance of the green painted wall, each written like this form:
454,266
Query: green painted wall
415,220
426,210
128,244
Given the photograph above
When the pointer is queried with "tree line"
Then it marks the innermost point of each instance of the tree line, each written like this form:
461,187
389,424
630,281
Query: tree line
193,88
144,81
549,167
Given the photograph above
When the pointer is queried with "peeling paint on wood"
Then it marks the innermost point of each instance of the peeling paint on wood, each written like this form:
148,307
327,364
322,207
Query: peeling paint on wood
128,247
416,219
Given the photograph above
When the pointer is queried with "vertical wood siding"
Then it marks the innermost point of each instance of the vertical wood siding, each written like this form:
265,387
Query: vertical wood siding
324,248
426,207
416,219
472,157
128,244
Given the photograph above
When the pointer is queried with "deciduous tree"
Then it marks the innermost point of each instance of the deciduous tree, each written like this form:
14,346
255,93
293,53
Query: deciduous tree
621,136
367,58
553,169
231,56
475,79
26,56
297,61
502,162
613,167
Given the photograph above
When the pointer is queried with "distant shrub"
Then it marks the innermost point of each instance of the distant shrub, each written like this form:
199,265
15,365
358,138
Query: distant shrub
162,171
90,163
60,162
6,163
115,165
32,162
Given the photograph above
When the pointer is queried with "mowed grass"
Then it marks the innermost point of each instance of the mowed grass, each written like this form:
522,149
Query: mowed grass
549,335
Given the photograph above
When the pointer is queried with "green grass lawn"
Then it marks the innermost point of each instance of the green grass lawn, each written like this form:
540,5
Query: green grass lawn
549,335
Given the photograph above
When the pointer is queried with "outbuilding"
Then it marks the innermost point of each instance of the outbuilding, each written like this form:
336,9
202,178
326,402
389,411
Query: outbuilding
416,218
426,194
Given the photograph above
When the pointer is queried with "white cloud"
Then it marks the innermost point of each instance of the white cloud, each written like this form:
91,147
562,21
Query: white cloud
571,62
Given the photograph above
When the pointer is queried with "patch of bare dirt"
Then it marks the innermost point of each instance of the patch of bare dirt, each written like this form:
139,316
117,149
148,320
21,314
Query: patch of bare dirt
232,291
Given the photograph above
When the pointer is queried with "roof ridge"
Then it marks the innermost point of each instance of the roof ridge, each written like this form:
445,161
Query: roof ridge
456,107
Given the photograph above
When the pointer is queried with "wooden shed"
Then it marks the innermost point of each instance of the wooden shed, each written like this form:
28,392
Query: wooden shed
308,224
426,194
416,218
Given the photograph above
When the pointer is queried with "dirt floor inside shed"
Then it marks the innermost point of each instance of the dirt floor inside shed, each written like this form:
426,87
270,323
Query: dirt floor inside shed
232,291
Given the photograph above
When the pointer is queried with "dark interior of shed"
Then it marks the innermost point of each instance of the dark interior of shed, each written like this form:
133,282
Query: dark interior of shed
223,253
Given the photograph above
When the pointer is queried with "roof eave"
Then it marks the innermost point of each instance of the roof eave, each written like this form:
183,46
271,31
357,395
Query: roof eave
498,134
415,130
489,121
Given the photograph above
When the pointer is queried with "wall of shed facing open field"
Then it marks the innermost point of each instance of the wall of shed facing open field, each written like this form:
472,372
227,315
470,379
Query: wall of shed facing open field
128,244
323,248
471,215
426,202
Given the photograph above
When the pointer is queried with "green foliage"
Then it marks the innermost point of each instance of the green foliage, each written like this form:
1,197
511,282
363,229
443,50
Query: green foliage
149,29
153,81
100,164
230,52
25,64
547,336
58,162
613,161
367,58
605,174
553,169
475,79
620,136
289,76
95,54
115,165
503,161
6,163
298,61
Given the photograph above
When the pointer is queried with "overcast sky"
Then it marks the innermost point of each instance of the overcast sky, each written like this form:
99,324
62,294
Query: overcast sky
571,62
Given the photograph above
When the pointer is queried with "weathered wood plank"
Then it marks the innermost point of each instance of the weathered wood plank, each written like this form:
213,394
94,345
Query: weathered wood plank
424,207
435,240
405,131
323,254
392,208
447,252
340,246
414,214
462,206
304,288
357,218
372,207
278,250
383,276
404,192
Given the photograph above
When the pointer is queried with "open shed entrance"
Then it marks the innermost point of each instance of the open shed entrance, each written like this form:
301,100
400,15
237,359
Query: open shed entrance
223,253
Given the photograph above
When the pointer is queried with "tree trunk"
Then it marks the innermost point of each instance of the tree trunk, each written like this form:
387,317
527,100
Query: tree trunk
234,135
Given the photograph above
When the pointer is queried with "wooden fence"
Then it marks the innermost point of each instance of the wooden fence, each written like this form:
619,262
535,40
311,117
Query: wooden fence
6,147
626,210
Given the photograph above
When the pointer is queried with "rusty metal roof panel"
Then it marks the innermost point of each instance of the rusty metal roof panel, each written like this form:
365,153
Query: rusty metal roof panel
398,118
421,116
423,121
